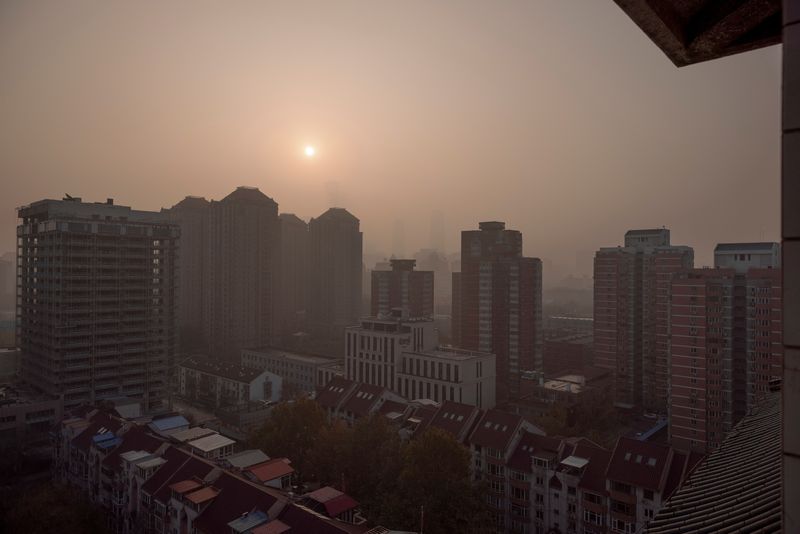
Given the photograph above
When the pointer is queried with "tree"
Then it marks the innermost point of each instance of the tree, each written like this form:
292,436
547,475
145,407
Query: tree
436,475
52,508
292,430
372,462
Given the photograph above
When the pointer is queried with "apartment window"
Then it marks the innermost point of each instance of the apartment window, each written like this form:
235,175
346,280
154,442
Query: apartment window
593,518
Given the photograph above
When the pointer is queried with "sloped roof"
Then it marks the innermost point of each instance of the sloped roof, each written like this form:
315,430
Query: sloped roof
594,474
732,247
338,214
454,417
236,497
533,445
179,466
135,439
639,463
100,423
334,392
736,488
166,424
495,430
271,470
362,401
248,458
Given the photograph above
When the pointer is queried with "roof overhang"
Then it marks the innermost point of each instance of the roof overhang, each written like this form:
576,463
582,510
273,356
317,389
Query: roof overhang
692,31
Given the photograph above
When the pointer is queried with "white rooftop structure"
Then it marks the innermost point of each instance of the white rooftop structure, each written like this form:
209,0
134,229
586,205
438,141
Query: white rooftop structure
575,461
211,442
190,434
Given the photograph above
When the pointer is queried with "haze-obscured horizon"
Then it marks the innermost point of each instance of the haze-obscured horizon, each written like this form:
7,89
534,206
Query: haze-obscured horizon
560,118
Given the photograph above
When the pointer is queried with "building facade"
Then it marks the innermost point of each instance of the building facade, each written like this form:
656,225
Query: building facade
498,295
191,215
300,372
224,384
293,288
335,274
403,355
402,287
631,292
96,313
241,269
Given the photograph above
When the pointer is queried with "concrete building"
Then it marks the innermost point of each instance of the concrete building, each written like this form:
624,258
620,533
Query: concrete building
293,288
447,373
191,215
747,26
96,315
241,269
403,355
335,274
631,292
300,372
26,418
497,303
225,385
372,349
725,330
402,288
701,389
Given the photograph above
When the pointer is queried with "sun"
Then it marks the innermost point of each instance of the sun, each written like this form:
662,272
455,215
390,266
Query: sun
310,151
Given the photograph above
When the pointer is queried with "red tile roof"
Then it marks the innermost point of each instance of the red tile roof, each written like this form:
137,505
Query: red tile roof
99,422
363,400
203,495
392,406
495,430
455,418
271,470
303,520
273,527
185,485
179,466
236,496
594,474
639,463
334,392
135,439
534,445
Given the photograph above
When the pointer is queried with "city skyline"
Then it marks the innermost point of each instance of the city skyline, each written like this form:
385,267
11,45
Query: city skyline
242,126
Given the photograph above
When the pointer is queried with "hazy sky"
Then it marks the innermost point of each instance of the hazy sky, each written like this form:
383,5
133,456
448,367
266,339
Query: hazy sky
559,117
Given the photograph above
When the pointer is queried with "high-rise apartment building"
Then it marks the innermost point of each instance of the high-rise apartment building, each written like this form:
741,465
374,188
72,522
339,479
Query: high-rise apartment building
631,292
335,274
402,287
96,308
293,288
722,366
240,272
191,214
499,299
701,361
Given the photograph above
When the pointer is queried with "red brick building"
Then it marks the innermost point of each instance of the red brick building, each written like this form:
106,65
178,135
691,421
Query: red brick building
701,399
630,293
402,287
498,303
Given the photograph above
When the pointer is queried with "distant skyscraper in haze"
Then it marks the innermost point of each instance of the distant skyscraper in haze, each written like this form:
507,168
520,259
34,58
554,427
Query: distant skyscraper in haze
191,214
402,288
293,287
498,296
97,301
399,239
335,260
240,272
631,291
437,237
